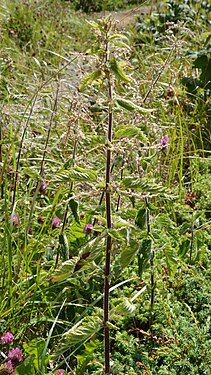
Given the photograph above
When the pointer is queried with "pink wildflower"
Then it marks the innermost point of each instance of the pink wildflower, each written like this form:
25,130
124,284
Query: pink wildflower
15,355
15,220
7,368
55,222
88,229
59,372
164,142
7,338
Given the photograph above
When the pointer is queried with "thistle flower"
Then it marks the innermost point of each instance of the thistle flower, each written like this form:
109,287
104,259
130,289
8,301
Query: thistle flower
164,142
55,222
88,229
15,355
7,338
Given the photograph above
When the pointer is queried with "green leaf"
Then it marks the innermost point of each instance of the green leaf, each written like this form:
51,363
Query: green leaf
118,36
26,367
63,241
78,334
124,308
131,107
75,174
130,132
129,253
118,72
90,78
74,208
65,270
171,260
144,185
144,255
35,348
115,234
141,218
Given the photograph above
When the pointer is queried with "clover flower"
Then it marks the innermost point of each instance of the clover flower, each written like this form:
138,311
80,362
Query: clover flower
7,368
164,142
55,222
59,372
15,356
88,229
15,220
7,338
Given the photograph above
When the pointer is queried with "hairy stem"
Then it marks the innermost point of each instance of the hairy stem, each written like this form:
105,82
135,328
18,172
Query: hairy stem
108,218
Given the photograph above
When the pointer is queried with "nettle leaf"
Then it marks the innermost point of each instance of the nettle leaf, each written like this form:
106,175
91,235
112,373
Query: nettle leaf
92,250
171,260
144,255
78,334
115,234
124,308
64,271
118,72
90,78
129,253
132,107
75,174
143,184
63,241
141,218
130,132
74,208
118,36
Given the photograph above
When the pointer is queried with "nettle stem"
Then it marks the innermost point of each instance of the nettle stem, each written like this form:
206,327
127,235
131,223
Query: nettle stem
109,223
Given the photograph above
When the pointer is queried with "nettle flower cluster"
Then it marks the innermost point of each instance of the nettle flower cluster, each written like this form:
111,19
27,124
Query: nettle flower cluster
13,358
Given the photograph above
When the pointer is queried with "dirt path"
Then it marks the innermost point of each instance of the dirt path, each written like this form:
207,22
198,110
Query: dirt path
127,17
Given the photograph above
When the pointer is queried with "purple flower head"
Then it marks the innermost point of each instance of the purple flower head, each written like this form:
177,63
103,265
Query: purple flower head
7,338
59,372
164,142
55,222
15,355
88,229
7,368
15,220
43,187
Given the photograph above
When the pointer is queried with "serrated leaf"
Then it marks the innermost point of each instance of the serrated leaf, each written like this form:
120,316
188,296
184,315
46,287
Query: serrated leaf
141,218
118,36
63,241
64,271
74,208
130,132
124,308
144,255
90,78
131,107
143,184
171,260
118,72
79,333
129,253
115,234
75,174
